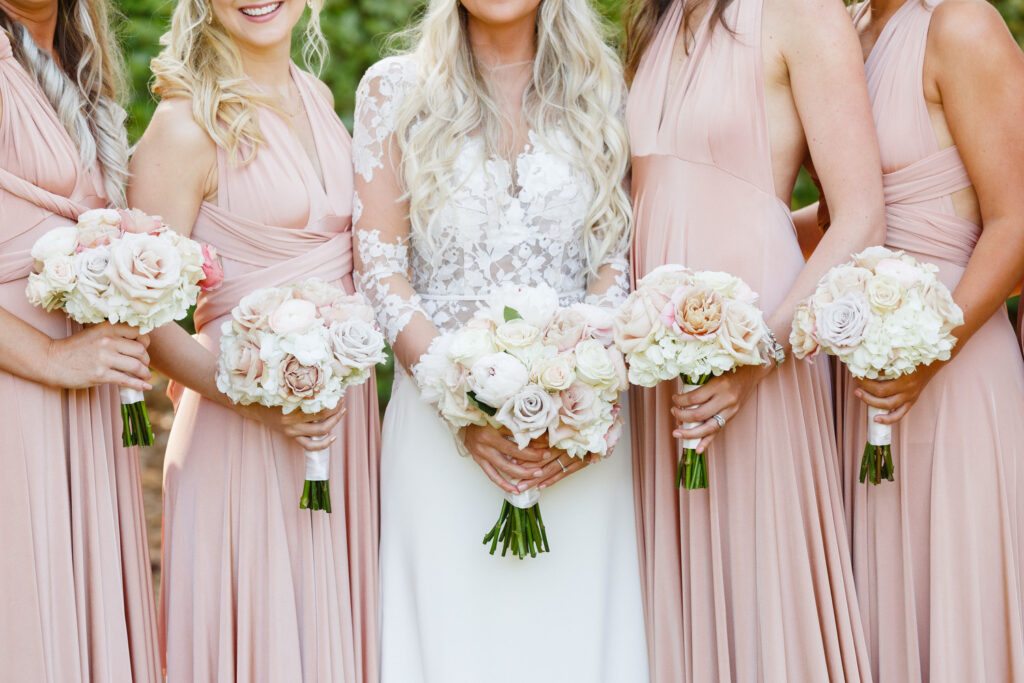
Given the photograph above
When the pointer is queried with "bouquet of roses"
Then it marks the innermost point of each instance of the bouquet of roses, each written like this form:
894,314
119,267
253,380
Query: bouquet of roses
882,314
693,325
538,370
122,267
299,347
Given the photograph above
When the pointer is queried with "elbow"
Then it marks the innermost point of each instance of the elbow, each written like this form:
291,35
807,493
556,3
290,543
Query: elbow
870,229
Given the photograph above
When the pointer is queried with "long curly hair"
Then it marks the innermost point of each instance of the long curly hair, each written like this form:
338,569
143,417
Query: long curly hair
201,61
86,92
576,88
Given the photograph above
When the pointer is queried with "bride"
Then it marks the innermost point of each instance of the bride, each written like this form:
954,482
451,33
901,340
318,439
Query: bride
494,153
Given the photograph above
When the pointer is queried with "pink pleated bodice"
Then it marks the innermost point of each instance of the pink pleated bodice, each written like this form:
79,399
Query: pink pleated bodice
76,602
749,580
254,588
937,553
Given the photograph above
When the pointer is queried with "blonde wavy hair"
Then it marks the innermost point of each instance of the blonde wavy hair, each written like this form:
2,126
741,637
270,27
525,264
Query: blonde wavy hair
86,93
576,89
201,61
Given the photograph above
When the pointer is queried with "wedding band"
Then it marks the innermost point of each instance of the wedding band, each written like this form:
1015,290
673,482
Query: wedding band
719,419
559,461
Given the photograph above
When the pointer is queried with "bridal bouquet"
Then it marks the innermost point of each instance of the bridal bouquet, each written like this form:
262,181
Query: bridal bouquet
299,347
693,325
528,366
122,267
882,315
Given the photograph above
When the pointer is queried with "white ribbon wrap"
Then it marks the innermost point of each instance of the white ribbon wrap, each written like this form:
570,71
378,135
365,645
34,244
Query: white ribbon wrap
878,434
690,443
130,396
318,463
526,499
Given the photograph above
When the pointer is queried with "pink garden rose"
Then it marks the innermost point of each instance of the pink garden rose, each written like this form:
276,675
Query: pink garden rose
253,311
213,271
637,321
693,312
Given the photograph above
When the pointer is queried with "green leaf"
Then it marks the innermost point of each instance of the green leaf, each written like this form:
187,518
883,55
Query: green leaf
512,314
481,405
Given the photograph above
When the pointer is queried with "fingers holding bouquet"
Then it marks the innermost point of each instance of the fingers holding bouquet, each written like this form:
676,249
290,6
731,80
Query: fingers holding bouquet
704,412
895,397
508,466
100,354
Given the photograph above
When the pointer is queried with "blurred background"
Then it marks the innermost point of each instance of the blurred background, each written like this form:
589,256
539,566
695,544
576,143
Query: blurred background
356,31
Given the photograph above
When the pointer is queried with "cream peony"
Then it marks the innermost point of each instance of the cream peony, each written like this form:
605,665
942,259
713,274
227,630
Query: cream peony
496,377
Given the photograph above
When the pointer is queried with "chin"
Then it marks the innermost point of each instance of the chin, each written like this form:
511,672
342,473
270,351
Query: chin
501,12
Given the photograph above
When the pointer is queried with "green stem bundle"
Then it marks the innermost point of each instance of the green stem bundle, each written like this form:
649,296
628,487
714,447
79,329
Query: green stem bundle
136,429
877,464
519,529
316,495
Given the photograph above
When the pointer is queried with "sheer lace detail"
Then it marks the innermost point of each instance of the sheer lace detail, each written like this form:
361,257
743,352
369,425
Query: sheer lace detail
505,222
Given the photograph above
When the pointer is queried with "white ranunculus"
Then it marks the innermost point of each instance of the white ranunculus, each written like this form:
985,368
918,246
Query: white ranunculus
293,316
496,377
554,374
884,293
56,242
516,334
470,344
841,323
357,344
528,414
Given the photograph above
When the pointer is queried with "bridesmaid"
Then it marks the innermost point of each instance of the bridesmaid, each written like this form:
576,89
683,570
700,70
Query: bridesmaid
75,586
938,554
750,579
245,152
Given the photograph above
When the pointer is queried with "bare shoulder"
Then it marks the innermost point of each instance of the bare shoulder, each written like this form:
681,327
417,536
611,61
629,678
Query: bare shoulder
808,22
174,132
970,30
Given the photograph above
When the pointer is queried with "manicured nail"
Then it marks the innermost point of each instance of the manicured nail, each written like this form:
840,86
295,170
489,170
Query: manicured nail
542,487
538,473
522,487
678,435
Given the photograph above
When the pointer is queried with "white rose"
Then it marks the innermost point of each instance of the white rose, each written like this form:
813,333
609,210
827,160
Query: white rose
255,308
516,334
741,332
528,414
143,269
554,374
99,218
904,273
884,293
59,271
56,242
870,257
936,297
496,377
92,284
841,323
594,365
469,344
357,344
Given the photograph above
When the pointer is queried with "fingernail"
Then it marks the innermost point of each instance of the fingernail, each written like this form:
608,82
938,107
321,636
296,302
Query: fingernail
542,487
514,461
677,435
538,473
522,487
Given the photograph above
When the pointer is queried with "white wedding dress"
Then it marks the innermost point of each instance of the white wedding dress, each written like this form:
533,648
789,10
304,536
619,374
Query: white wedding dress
451,612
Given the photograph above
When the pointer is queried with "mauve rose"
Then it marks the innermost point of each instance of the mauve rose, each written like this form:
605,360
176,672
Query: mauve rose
213,271
293,315
357,344
255,308
694,312
841,324
884,293
637,320
298,380
566,330
143,268
528,414
495,377
741,332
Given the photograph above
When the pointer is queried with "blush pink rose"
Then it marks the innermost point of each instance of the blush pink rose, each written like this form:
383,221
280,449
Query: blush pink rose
138,222
254,309
636,322
293,315
213,271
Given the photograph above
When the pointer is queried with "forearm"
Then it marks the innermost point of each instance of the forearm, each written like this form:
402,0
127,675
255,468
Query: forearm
24,350
808,229
181,358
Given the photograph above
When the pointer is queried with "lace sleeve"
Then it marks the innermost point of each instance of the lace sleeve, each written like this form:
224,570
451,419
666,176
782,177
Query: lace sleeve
381,231
611,285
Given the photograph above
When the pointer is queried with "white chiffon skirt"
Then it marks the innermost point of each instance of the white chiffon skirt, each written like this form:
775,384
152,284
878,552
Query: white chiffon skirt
452,613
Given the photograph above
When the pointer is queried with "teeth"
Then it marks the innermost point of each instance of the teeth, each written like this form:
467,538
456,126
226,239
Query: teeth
260,11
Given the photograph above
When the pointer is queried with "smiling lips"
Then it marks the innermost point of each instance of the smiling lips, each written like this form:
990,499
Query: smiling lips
260,11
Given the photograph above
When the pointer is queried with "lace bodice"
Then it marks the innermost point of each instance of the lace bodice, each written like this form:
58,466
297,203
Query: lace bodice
497,227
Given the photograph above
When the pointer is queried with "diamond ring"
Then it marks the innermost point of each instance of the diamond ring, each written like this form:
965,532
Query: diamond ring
719,419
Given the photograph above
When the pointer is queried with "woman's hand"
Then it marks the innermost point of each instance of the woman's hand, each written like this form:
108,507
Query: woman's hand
896,396
722,396
99,354
497,455
560,467
305,428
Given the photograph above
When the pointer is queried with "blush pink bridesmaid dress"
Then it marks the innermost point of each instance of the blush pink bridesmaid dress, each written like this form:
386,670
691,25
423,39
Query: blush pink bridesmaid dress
749,580
76,594
255,589
937,554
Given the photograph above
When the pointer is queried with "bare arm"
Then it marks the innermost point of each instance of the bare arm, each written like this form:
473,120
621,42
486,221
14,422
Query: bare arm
975,69
173,170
